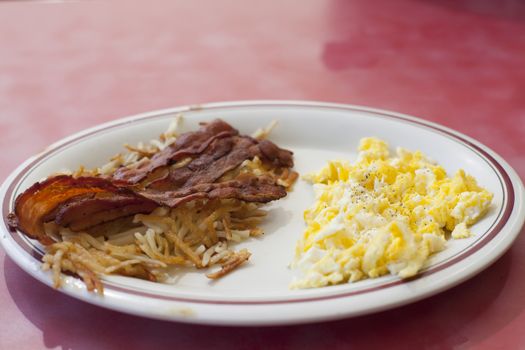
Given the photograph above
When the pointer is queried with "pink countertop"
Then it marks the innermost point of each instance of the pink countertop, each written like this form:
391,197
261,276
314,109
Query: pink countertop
65,66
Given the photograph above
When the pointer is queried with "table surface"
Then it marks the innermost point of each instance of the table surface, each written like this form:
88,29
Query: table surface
65,66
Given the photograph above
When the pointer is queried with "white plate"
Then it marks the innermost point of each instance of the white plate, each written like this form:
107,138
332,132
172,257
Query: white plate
258,293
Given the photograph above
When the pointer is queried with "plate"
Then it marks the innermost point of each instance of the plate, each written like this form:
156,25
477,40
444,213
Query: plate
258,293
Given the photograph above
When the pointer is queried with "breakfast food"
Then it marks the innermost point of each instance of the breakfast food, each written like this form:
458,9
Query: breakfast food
179,201
382,215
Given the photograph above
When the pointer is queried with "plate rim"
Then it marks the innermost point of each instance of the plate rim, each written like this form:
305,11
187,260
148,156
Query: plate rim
514,183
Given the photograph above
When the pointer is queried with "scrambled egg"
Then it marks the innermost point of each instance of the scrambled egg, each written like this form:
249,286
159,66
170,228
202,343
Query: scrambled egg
382,215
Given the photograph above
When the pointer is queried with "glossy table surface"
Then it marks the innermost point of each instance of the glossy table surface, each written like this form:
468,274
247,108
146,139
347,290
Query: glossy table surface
65,66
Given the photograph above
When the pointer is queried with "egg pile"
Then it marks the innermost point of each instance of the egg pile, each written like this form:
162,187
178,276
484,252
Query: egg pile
382,215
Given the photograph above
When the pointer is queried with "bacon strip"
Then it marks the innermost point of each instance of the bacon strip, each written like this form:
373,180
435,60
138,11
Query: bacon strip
83,212
211,142
246,187
35,205
188,144
277,156
89,201
221,156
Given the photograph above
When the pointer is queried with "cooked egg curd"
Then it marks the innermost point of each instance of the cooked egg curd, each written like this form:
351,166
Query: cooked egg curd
382,215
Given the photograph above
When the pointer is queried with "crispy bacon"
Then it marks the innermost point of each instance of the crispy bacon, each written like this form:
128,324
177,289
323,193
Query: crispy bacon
221,156
246,187
86,211
212,143
277,156
37,203
212,151
188,144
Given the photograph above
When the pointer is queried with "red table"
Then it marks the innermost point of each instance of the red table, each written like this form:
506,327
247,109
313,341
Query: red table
69,65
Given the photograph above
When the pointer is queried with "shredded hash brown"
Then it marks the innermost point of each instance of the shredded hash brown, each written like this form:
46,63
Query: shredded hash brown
199,233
